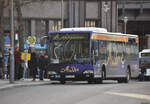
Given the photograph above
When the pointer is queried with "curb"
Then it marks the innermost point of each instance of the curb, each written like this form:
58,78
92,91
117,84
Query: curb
26,84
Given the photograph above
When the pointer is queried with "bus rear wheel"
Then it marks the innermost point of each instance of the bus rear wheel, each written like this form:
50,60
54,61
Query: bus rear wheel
98,81
62,81
120,80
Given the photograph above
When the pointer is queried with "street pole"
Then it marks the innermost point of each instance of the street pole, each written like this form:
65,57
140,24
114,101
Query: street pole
125,24
62,13
11,79
106,8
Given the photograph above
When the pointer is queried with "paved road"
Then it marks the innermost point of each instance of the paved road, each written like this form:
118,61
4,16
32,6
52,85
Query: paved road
79,93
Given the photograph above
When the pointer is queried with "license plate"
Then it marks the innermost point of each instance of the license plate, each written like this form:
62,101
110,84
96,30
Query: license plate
70,76
57,76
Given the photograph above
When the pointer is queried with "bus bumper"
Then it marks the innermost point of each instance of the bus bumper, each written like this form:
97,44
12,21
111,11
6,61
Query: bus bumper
72,77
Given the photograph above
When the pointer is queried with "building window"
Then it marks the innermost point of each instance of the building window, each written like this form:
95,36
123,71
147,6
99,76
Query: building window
90,23
56,25
40,28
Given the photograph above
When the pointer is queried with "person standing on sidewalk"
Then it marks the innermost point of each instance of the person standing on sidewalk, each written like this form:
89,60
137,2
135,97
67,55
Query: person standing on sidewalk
1,66
46,65
17,55
41,64
33,65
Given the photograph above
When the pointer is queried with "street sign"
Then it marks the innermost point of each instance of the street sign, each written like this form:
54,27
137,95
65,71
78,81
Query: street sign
38,46
31,40
35,46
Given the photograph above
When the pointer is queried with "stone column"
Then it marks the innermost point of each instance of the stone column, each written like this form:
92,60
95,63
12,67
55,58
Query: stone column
148,41
109,15
71,12
76,13
99,13
82,11
33,28
114,16
76,8
51,26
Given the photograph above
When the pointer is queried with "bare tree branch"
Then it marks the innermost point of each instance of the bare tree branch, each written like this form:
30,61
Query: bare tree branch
20,25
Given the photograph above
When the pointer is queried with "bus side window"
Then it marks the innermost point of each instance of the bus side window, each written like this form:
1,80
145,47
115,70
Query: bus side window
95,51
102,49
132,46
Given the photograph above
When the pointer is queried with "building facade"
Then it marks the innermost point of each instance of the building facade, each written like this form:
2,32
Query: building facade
43,17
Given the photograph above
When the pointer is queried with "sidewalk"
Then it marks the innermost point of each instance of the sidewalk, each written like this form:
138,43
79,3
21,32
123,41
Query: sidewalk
5,84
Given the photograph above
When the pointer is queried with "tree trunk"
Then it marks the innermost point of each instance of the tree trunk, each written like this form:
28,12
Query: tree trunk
1,27
20,25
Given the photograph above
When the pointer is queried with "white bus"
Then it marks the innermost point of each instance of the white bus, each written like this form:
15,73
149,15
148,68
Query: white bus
144,64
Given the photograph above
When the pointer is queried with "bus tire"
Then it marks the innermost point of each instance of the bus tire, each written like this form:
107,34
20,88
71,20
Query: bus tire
90,81
141,77
62,81
120,80
98,81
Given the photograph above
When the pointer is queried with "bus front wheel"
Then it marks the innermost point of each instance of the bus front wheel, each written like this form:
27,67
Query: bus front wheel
98,81
62,81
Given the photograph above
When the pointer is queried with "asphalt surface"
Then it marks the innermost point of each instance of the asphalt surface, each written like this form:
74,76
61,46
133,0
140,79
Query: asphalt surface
79,93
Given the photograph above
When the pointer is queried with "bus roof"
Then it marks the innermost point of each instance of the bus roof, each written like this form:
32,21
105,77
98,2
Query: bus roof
96,30
145,51
121,34
92,29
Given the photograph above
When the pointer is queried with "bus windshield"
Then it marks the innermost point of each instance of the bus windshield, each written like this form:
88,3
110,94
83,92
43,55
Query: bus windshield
145,54
145,59
70,48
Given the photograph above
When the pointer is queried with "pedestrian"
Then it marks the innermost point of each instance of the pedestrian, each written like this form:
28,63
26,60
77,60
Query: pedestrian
46,65
33,65
41,64
143,71
17,55
1,65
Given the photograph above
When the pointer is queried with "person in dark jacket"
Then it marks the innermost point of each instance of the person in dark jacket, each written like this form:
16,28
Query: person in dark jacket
46,65
41,64
17,55
33,65
1,65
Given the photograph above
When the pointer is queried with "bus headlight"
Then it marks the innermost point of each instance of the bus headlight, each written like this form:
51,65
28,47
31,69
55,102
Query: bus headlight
88,72
51,72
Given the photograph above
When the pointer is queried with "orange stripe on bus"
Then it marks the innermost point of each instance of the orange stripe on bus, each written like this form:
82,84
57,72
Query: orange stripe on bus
110,38
137,40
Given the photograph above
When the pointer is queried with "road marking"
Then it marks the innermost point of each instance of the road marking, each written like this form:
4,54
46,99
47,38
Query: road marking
132,95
